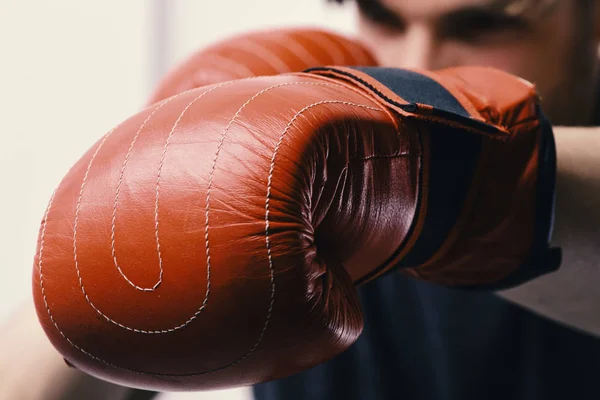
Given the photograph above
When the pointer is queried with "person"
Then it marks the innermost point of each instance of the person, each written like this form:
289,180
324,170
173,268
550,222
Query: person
423,341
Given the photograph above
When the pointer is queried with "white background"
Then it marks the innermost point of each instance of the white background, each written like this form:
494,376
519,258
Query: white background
72,69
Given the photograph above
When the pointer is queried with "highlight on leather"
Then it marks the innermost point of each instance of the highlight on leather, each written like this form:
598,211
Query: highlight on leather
486,202
215,238
183,250
262,53
243,56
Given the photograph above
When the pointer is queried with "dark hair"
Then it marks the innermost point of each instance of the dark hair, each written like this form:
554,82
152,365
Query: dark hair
586,4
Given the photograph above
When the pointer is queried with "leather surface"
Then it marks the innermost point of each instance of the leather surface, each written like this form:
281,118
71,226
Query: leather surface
493,234
495,231
214,239
262,53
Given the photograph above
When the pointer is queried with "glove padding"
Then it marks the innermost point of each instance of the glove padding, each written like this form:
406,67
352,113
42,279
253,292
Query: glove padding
215,239
270,52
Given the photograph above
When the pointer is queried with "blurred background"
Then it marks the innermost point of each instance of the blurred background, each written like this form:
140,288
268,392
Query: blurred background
70,70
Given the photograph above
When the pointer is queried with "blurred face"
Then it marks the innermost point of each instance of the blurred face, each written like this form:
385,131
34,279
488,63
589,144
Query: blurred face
551,43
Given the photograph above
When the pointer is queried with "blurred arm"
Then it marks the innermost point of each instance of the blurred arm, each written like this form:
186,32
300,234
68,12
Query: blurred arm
30,368
572,294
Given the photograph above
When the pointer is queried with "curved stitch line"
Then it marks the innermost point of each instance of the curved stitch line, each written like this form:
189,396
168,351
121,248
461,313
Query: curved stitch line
41,275
143,331
270,181
189,85
114,215
43,290
188,81
156,219
207,211
40,264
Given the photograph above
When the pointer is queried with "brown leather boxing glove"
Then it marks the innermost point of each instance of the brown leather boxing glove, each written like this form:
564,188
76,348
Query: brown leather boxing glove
215,239
262,53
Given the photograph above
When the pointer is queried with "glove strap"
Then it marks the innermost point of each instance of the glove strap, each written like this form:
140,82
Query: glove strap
486,190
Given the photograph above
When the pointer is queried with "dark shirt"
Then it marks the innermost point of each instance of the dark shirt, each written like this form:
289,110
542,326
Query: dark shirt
427,342
423,341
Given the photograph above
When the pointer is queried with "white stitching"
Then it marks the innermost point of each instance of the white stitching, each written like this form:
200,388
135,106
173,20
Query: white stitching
270,181
41,275
114,215
207,211
148,332
267,238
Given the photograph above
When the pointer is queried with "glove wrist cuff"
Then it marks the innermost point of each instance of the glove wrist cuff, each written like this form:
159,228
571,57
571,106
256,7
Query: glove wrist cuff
487,175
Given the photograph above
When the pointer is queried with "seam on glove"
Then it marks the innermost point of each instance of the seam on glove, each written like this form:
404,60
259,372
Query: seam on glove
42,236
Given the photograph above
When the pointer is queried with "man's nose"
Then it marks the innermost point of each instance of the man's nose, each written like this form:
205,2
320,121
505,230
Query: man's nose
416,48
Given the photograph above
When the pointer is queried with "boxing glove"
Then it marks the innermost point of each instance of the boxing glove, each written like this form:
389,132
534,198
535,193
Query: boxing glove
216,238
262,53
